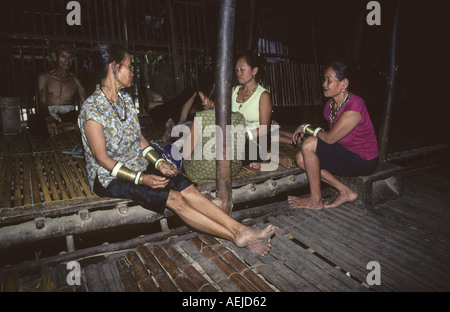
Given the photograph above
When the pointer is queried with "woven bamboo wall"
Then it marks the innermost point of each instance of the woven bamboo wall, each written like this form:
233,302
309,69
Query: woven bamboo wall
285,38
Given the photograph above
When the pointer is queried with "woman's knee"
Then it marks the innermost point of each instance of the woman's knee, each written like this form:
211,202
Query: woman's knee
176,201
309,144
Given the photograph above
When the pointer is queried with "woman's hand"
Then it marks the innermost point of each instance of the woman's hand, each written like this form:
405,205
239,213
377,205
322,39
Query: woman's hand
154,181
168,169
298,135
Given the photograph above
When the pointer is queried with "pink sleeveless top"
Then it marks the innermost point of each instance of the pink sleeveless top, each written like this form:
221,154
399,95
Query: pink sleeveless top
362,139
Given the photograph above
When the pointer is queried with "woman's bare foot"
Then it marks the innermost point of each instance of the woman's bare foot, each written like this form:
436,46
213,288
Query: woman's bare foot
305,203
260,249
255,165
342,198
252,236
285,162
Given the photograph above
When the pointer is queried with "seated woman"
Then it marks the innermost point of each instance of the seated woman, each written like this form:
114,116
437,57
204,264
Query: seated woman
253,101
120,163
204,169
349,148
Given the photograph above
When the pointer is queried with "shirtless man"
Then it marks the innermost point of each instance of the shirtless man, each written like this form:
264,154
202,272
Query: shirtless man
58,90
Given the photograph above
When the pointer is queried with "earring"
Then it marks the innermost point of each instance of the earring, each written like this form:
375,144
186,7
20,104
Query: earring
343,90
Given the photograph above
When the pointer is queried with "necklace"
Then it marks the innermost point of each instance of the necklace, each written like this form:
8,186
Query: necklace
333,116
113,105
245,97
115,109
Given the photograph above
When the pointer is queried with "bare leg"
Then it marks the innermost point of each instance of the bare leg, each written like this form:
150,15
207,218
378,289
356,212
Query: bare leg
186,108
286,137
308,160
200,213
345,195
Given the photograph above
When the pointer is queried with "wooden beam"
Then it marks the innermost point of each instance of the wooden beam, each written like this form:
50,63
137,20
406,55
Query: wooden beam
225,39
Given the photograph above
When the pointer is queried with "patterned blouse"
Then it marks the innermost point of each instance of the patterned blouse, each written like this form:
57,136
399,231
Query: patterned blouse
121,130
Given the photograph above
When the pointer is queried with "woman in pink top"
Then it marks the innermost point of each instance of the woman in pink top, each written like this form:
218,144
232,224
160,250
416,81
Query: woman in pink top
349,148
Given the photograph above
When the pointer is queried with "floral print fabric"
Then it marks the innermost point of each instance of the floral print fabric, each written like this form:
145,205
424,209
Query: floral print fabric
123,139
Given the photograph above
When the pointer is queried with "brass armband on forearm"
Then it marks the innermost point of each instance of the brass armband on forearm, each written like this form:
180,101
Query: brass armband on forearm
121,172
152,156
309,130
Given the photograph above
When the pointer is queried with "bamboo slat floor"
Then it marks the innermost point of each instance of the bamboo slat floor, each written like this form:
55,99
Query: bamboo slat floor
312,251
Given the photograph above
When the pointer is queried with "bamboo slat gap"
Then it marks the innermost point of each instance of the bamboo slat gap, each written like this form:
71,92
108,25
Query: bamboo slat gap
51,180
70,183
42,181
37,200
58,174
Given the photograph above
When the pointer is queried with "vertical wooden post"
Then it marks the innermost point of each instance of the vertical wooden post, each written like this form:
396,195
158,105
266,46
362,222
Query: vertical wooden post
125,16
251,26
386,123
174,47
225,40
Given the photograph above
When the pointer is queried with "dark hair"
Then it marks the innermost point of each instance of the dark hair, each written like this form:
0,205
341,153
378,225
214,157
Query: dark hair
347,71
342,70
105,54
60,46
207,84
253,60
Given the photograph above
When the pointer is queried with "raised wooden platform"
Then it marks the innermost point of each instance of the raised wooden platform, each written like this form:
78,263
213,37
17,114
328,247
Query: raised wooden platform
327,250
45,190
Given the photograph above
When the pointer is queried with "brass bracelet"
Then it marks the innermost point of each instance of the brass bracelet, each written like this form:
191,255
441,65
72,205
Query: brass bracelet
150,154
159,162
317,130
304,126
121,172
309,130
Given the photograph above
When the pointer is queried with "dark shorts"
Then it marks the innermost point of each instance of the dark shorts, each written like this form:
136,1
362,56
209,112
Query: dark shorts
147,197
340,161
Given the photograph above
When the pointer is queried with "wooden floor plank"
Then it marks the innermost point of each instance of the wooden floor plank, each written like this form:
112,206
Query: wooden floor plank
219,278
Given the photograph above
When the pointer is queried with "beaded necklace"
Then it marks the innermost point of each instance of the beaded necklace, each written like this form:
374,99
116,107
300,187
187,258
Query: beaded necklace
245,97
333,116
113,105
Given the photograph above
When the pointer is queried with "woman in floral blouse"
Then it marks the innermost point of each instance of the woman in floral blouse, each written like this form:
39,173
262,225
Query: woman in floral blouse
121,164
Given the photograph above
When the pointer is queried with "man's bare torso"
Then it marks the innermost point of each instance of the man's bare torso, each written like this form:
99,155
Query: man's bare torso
60,90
